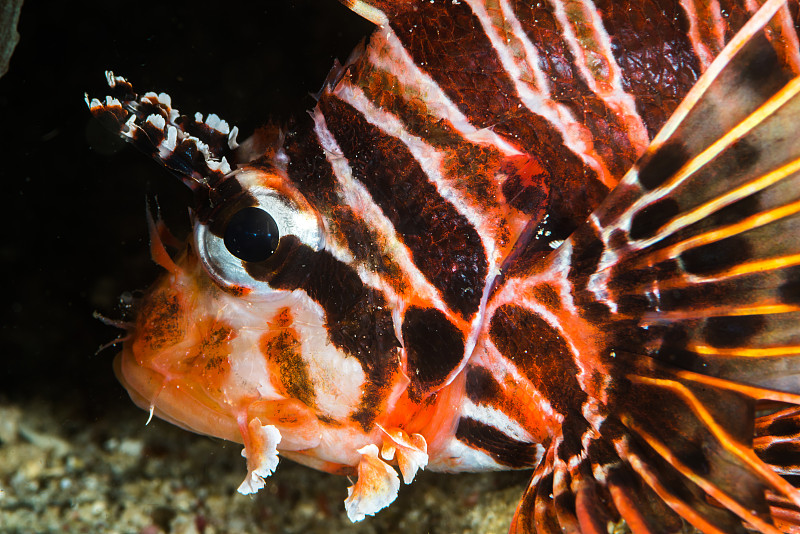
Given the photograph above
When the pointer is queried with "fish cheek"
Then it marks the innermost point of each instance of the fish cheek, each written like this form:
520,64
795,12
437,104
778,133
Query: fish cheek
161,322
208,362
282,350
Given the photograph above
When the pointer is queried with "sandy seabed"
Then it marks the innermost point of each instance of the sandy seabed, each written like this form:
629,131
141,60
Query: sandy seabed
59,473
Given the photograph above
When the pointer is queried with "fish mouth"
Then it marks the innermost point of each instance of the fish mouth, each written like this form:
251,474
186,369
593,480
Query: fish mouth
165,399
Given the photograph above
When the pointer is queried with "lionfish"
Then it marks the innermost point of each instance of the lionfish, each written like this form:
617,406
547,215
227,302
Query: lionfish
559,235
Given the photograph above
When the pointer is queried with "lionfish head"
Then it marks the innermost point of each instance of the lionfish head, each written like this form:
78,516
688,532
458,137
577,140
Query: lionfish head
215,301
258,331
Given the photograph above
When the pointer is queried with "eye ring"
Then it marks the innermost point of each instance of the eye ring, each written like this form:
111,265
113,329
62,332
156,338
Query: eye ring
229,266
251,234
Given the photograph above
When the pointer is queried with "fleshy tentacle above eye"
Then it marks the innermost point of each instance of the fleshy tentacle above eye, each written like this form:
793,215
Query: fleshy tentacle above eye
200,151
691,265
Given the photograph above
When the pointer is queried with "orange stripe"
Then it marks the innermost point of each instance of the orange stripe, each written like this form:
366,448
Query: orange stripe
753,392
704,484
725,439
747,352
652,480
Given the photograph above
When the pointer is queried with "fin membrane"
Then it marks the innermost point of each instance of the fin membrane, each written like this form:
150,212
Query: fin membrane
692,266
199,151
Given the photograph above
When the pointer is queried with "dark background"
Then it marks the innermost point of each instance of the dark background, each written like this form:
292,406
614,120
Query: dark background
74,236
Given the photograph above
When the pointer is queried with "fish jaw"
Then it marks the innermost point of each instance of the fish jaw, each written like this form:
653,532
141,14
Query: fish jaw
150,392
195,357
180,343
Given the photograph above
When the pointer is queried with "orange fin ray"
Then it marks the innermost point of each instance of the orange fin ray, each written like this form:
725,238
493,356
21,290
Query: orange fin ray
698,261
692,269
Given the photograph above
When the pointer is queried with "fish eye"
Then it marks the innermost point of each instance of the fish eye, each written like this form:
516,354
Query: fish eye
251,234
246,234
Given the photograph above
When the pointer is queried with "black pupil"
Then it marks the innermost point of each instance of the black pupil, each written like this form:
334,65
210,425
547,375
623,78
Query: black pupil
252,235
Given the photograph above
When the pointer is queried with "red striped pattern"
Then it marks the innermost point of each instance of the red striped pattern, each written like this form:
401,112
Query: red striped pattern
504,239
493,101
